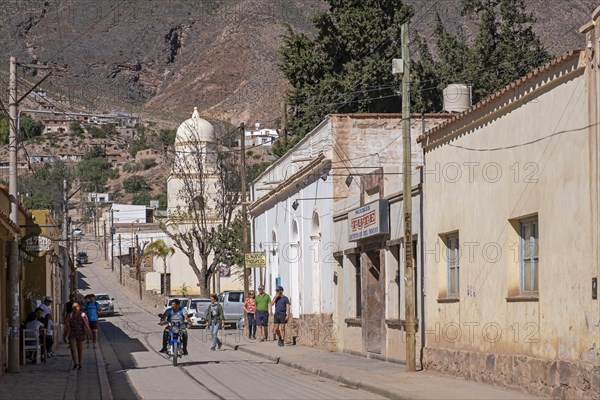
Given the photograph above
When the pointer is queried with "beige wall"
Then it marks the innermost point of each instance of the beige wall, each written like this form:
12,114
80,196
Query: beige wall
549,177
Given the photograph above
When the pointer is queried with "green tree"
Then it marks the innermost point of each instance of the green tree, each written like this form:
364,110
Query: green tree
167,137
109,129
139,143
141,198
505,48
29,128
345,66
94,170
75,128
44,188
160,249
96,132
228,247
134,184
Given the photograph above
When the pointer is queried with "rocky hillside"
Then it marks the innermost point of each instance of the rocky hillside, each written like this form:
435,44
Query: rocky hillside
162,58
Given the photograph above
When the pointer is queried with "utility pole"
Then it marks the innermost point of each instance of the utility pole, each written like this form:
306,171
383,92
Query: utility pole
105,248
120,262
65,236
73,243
14,364
138,263
112,244
244,211
407,203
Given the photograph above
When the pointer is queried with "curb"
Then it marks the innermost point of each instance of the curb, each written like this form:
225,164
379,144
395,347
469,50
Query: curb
71,389
327,374
105,392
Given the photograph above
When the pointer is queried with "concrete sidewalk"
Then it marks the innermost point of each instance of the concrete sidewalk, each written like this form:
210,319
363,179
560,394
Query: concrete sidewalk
56,379
382,378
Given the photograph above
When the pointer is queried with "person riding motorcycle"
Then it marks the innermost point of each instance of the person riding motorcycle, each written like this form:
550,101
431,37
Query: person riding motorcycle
175,314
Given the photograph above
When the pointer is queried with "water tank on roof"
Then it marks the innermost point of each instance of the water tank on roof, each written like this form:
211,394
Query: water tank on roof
457,98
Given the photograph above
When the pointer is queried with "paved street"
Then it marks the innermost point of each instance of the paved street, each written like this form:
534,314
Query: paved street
131,340
127,364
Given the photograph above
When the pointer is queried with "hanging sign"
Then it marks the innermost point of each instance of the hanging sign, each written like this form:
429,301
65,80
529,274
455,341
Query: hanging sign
369,220
36,245
255,260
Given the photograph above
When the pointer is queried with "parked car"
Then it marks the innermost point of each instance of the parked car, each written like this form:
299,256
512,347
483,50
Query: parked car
233,306
197,312
82,257
107,307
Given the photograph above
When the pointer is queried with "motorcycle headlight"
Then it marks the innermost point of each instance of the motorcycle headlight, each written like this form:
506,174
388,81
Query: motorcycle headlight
175,329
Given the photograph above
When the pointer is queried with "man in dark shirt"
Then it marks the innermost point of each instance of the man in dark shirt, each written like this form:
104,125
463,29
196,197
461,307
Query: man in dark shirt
282,313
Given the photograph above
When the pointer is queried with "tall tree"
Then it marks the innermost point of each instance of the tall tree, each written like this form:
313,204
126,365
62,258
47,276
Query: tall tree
94,170
429,76
160,249
29,128
504,48
345,66
44,188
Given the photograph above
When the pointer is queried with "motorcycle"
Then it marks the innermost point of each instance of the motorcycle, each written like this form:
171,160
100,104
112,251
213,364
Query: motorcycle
175,341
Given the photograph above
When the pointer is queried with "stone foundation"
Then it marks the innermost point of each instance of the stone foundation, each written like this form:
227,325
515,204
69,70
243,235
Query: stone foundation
315,330
558,379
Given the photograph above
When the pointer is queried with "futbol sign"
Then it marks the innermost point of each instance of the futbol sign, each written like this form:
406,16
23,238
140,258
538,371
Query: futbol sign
368,221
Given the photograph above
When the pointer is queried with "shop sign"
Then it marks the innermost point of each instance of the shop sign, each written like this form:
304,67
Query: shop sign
369,220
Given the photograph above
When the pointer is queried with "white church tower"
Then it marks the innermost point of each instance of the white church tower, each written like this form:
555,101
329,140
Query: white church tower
193,184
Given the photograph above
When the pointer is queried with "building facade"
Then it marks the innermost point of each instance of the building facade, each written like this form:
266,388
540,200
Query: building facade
512,233
300,211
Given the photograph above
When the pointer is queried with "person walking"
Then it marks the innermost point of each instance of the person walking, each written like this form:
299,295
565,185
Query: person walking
68,306
91,308
77,330
282,314
262,301
250,308
215,320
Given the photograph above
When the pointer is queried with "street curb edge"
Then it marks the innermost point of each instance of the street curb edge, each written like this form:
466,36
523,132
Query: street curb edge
329,375
106,393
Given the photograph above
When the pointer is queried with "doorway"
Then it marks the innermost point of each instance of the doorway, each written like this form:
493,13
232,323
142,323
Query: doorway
375,302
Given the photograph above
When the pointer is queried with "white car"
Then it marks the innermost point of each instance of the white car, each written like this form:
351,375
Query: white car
107,307
197,312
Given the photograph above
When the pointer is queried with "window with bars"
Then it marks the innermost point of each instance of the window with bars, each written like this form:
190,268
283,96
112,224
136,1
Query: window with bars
452,264
529,250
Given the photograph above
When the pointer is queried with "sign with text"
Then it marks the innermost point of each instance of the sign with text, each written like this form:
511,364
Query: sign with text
369,220
255,260
36,245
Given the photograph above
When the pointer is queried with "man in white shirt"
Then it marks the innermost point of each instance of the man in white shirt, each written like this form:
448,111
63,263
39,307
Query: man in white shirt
46,307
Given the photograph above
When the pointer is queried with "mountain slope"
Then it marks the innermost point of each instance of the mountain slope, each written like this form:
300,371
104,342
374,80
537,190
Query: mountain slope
162,58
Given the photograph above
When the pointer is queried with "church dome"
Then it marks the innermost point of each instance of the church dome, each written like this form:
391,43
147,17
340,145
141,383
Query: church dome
195,130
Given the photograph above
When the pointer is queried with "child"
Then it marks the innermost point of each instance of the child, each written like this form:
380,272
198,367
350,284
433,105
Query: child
50,336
